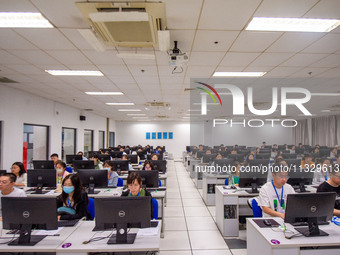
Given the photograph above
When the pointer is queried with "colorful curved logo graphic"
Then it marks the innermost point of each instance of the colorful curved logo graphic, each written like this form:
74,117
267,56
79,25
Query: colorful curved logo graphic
209,93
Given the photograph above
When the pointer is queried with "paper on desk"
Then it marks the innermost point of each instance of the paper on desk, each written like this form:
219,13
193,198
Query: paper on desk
149,231
48,232
51,192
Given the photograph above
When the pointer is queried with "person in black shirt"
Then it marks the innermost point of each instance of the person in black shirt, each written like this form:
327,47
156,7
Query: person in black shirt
73,198
332,185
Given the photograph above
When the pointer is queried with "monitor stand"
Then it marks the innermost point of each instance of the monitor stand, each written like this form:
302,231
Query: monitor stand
91,189
39,189
25,238
122,237
301,188
253,189
312,229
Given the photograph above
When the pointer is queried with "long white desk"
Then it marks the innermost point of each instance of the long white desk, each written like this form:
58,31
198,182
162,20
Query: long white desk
210,182
272,241
74,242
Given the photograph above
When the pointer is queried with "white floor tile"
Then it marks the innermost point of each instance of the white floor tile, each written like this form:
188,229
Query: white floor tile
201,223
175,223
173,202
175,253
175,240
239,251
207,240
191,195
173,194
192,202
212,210
211,252
198,211
173,211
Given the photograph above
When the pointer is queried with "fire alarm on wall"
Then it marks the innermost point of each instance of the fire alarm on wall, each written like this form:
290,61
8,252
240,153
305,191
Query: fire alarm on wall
82,117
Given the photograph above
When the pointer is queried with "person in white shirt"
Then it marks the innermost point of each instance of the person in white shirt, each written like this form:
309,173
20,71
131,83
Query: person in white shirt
7,188
273,195
18,169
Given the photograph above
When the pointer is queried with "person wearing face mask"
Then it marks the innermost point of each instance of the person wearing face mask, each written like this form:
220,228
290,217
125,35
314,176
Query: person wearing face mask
72,202
112,176
61,171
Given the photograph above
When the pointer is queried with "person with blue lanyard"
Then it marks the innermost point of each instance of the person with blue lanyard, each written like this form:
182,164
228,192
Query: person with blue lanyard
321,171
332,185
273,195
72,202
134,184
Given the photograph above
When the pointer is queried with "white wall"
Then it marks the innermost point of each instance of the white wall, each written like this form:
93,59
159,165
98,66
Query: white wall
130,133
240,135
18,107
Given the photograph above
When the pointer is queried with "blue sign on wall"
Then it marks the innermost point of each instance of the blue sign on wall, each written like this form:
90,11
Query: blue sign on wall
159,135
171,135
153,135
147,135
165,135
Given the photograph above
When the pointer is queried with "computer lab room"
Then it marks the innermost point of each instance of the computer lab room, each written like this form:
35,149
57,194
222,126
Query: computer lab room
171,127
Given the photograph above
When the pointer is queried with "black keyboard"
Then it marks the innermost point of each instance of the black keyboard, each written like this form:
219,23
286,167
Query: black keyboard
303,224
158,189
153,224
67,223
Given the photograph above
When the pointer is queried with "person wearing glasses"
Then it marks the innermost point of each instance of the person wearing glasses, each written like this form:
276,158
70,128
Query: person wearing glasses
332,185
273,195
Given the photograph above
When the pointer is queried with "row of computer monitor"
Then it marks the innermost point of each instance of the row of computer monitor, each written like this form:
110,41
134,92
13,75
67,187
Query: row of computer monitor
120,165
90,178
120,213
206,158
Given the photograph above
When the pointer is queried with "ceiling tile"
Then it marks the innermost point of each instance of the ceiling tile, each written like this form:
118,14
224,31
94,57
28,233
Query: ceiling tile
69,57
172,81
26,69
7,59
330,61
169,71
227,14
282,71
250,41
214,40
205,58
141,70
270,59
309,72
112,70
12,41
162,58
331,73
303,59
238,59
199,71
120,79
328,44
17,6
185,17
35,57
147,79
46,38
326,9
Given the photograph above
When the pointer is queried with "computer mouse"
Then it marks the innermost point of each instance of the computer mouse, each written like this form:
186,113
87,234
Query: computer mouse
232,187
267,222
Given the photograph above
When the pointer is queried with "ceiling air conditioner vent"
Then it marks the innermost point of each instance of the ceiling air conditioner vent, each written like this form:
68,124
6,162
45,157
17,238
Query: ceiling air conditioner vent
125,24
162,117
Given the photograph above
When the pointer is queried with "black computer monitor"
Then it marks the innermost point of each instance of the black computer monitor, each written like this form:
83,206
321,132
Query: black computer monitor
207,158
263,156
121,212
141,155
104,157
160,165
289,156
133,159
259,162
43,164
121,165
116,154
200,154
236,157
312,208
253,179
41,178
70,158
293,164
159,155
82,164
299,178
23,213
223,165
150,178
93,178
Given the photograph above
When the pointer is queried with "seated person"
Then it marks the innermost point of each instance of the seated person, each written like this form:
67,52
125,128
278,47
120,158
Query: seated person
7,188
235,174
333,153
154,157
55,158
134,184
208,152
273,195
219,156
72,202
124,157
332,185
148,165
61,174
112,176
321,171
82,154
19,170
250,157
307,162
97,163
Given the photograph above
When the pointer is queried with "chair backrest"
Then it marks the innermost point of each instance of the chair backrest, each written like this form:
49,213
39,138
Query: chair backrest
257,211
159,183
226,181
69,169
120,182
154,209
90,207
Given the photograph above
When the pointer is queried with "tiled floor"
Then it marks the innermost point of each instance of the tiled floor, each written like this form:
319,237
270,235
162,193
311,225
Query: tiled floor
190,227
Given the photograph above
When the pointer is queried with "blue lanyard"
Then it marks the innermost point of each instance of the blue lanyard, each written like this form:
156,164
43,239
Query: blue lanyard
137,194
326,178
280,200
69,204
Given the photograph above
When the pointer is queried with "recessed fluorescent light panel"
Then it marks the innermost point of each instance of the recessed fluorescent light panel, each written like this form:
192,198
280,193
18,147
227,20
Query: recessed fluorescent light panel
120,103
325,110
136,114
23,19
95,93
292,24
129,110
239,74
139,117
74,73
